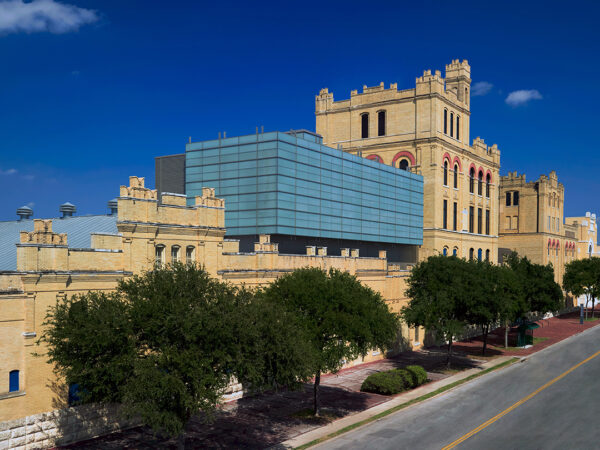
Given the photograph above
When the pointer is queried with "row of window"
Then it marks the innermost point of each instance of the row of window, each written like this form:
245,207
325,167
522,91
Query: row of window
471,218
512,222
553,223
472,179
449,130
364,123
553,200
471,253
175,254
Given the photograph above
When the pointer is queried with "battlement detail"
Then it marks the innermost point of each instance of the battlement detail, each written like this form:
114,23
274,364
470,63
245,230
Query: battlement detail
42,234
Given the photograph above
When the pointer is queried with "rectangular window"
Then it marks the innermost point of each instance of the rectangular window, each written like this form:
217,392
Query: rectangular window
381,123
364,119
454,216
458,127
549,223
189,255
515,222
471,218
445,216
487,221
479,220
508,199
516,198
158,260
13,381
508,222
174,254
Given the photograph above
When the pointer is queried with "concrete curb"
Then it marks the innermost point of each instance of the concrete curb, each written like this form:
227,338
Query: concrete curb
333,427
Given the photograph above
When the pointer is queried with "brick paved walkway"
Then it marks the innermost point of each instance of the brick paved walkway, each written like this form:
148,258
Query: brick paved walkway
554,330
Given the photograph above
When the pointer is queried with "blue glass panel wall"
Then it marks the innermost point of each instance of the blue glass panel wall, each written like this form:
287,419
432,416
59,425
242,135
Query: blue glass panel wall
281,183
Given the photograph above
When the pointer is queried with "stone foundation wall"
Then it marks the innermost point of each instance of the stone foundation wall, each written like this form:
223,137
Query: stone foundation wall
61,427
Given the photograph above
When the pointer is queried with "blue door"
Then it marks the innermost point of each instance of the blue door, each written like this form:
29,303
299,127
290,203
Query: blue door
13,381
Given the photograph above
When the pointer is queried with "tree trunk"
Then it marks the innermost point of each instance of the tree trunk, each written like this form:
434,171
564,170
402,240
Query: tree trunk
485,336
316,388
449,353
593,304
587,301
506,334
181,441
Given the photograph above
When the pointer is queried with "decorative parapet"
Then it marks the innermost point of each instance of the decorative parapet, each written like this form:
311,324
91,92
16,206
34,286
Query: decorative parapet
208,199
136,189
42,234
264,245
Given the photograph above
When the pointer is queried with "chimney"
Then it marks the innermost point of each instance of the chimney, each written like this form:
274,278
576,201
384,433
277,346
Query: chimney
24,212
113,206
67,209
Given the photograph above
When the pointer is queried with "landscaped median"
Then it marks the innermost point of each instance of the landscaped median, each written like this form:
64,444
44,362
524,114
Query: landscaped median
401,401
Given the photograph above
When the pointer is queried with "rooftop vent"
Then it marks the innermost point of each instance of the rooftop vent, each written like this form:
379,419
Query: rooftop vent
24,212
113,205
67,209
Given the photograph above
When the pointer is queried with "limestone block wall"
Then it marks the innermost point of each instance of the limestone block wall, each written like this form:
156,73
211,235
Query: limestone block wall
61,427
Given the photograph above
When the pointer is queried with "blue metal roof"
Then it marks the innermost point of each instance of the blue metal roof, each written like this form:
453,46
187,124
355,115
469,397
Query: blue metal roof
78,231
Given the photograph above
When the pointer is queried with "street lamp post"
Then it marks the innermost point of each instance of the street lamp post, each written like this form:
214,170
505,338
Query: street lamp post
581,313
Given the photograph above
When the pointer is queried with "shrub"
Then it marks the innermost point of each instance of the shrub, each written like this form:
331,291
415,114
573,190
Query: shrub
419,375
394,381
387,383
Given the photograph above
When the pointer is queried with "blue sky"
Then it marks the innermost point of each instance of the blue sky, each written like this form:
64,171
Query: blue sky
91,91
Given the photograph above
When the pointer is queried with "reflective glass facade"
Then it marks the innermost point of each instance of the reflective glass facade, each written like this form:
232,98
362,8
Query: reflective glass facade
291,184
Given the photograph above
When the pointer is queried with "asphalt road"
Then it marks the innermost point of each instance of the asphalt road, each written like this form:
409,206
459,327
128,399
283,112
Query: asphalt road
560,415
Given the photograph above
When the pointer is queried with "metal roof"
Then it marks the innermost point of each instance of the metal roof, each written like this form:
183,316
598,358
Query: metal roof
78,229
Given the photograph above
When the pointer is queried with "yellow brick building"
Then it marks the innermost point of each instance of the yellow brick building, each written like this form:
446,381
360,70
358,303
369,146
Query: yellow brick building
426,129
532,223
146,232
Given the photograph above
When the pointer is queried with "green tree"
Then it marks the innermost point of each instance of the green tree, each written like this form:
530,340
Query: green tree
493,296
438,289
89,340
342,319
168,343
540,293
582,277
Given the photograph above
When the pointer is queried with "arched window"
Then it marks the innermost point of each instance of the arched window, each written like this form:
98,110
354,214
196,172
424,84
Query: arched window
175,253
364,120
190,256
466,96
445,251
480,183
13,381
487,185
472,180
445,121
458,127
487,255
455,176
471,253
381,123
404,164
159,255
479,254
446,173
455,251
451,124
516,198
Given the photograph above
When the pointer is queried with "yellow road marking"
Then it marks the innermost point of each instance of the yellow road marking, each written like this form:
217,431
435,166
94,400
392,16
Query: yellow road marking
519,403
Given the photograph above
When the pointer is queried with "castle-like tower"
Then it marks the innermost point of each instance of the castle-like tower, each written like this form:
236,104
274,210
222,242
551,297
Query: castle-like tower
532,223
426,129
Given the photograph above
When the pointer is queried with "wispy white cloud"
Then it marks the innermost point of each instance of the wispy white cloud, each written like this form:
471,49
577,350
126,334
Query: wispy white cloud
42,15
481,88
8,171
523,96
29,177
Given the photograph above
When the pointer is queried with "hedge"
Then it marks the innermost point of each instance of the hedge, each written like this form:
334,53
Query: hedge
394,381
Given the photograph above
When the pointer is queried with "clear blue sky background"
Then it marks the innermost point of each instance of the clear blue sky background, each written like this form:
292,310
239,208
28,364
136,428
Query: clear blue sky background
82,109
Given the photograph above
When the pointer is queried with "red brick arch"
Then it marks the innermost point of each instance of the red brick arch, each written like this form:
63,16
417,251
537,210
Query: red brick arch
457,160
406,155
375,158
489,172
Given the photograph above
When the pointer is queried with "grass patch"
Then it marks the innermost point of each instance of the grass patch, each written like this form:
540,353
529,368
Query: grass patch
537,340
404,405
591,319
